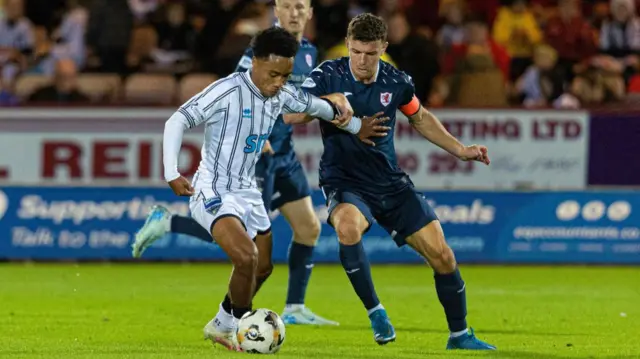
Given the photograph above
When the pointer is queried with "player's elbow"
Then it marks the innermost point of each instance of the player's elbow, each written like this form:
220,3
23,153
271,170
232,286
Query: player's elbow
168,125
426,124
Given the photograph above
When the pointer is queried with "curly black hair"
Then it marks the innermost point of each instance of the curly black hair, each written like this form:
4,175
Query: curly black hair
274,41
367,27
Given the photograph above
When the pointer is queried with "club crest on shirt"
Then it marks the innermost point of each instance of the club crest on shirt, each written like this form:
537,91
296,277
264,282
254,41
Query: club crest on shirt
308,59
385,98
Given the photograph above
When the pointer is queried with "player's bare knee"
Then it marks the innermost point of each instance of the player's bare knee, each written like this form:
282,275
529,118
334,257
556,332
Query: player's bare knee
314,229
444,261
245,257
308,233
348,232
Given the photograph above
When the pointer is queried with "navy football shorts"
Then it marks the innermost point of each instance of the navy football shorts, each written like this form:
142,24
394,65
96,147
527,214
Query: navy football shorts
281,179
400,214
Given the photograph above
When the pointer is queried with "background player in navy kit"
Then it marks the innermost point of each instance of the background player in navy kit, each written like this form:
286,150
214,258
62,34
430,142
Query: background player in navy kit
281,177
364,183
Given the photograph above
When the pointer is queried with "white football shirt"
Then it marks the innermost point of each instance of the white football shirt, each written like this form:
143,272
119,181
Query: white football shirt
238,120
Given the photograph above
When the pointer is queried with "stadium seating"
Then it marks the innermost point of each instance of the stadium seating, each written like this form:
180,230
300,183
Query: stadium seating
28,83
192,84
100,87
150,89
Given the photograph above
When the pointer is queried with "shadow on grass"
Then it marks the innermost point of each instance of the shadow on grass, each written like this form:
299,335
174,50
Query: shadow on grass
445,332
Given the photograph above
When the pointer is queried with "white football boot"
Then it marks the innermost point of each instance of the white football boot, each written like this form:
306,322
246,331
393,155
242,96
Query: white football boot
301,315
158,224
219,335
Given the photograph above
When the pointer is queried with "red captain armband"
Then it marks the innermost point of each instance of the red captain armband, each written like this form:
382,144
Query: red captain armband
411,108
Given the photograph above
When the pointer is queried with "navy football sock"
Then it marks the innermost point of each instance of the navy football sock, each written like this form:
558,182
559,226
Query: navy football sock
226,304
189,226
452,296
355,263
238,312
300,264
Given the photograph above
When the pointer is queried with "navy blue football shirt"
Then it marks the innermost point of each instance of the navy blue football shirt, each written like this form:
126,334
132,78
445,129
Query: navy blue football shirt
347,162
306,59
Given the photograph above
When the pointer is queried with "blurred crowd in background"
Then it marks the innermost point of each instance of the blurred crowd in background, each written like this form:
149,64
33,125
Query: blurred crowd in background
532,53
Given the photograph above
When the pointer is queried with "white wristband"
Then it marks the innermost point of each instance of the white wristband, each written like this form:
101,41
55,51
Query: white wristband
354,125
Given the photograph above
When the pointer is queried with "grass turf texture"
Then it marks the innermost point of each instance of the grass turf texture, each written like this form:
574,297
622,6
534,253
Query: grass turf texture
158,311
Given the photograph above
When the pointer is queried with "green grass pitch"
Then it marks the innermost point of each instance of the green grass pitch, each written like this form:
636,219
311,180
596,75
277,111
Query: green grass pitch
158,310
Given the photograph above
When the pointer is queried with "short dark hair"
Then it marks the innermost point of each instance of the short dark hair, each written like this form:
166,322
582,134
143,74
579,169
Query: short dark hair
367,28
274,41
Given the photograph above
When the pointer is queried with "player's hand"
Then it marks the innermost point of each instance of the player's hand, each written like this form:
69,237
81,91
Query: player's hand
372,127
475,153
182,187
267,149
344,107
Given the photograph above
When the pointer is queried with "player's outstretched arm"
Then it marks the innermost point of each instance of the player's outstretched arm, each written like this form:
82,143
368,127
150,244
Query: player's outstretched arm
342,107
338,104
428,125
365,128
296,118
333,108
338,100
172,141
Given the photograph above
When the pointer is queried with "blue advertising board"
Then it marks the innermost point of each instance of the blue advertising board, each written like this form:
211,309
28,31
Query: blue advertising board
488,227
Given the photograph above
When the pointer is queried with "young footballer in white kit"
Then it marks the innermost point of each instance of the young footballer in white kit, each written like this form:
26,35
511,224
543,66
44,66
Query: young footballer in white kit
239,112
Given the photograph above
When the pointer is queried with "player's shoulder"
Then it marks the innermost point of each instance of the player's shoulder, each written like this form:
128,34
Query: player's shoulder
230,81
333,67
390,73
218,89
327,73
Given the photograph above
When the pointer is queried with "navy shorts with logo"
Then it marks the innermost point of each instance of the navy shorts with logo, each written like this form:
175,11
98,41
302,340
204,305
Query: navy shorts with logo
281,179
400,214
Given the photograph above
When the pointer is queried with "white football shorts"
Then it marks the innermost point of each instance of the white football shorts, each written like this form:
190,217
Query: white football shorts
246,205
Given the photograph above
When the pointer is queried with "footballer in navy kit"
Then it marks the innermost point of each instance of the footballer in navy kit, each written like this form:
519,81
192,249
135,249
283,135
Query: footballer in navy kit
363,183
281,177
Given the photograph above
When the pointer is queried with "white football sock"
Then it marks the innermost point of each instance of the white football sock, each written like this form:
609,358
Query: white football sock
224,321
293,308
458,334
377,307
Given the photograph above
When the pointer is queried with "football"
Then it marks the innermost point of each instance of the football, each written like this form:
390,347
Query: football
260,331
